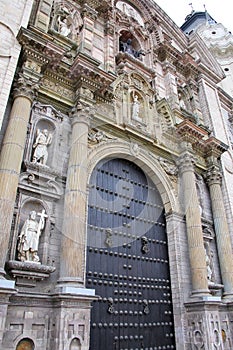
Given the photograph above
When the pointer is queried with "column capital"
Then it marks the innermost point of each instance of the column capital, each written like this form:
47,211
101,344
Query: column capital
25,87
81,114
186,162
213,175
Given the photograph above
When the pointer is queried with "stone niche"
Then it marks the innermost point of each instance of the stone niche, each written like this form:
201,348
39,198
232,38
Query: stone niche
29,261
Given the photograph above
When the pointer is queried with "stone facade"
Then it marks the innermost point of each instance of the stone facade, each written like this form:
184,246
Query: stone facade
104,80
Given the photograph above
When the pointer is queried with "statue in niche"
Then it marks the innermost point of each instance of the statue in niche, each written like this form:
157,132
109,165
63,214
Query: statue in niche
69,23
43,140
181,101
29,237
63,27
128,48
135,107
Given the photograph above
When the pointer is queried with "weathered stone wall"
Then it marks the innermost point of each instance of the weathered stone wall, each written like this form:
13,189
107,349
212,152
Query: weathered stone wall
13,15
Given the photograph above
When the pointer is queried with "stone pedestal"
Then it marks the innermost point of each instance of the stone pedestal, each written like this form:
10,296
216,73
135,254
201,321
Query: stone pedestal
11,158
72,270
72,319
193,226
204,327
7,288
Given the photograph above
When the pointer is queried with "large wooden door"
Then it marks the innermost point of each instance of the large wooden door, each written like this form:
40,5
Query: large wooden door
127,261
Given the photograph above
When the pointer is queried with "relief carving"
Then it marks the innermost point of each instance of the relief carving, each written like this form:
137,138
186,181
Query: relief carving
96,136
68,22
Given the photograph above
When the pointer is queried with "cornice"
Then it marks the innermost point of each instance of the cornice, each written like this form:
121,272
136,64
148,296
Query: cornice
181,61
215,147
190,131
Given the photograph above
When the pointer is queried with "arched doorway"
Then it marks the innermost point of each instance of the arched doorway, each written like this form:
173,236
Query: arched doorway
25,344
127,260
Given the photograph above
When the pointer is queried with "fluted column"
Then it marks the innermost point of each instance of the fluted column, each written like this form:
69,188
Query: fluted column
193,225
74,222
223,239
11,158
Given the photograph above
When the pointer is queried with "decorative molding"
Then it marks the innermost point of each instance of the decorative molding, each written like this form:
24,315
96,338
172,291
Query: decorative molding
25,87
28,273
41,179
48,111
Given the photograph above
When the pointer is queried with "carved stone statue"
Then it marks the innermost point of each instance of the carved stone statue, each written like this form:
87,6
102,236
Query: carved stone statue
136,107
97,136
29,237
128,48
43,140
63,27
69,23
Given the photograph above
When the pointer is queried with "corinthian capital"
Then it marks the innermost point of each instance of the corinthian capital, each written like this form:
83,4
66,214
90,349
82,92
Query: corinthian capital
82,114
186,162
213,175
26,87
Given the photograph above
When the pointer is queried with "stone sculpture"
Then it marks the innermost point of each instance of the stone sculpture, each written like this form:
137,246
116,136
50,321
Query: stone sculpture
43,140
29,237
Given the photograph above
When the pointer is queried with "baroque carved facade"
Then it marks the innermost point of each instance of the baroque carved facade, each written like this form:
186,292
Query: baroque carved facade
115,203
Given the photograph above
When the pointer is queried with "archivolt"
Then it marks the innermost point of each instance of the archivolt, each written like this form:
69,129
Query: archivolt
148,163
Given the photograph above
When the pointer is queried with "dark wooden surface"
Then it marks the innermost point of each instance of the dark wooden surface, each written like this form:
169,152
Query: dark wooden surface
127,261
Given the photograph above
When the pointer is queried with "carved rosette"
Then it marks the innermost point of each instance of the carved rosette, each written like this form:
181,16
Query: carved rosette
25,87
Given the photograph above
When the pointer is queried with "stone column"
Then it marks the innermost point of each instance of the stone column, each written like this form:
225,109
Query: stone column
193,225
11,158
224,244
72,269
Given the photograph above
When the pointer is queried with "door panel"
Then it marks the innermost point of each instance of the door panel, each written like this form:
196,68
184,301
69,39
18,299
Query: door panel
127,261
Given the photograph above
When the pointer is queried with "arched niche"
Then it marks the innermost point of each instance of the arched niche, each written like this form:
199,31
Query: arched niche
39,127
129,44
137,106
25,344
38,206
75,344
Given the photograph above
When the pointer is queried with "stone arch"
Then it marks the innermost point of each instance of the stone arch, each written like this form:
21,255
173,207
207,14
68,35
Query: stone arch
25,344
75,344
148,163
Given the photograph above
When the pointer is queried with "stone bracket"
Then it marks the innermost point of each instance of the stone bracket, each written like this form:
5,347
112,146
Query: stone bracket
28,273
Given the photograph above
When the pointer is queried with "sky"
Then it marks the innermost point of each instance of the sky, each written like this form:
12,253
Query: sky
220,10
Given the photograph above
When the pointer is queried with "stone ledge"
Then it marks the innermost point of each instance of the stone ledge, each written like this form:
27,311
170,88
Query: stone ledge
28,273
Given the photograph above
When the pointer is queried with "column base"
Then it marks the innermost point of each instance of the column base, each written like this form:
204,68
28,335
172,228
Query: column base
75,291
200,293
228,296
7,286
74,286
